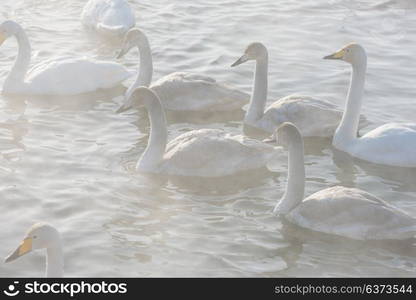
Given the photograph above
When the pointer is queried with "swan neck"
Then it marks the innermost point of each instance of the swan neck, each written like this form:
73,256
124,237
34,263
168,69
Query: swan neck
144,77
295,187
259,94
22,62
347,130
153,154
54,261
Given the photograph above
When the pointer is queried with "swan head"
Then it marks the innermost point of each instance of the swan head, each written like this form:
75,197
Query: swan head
352,53
39,236
137,98
132,38
284,134
7,29
254,51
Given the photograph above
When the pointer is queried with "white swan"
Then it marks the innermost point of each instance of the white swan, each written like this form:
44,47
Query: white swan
337,210
111,17
202,153
313,117
180,91
392,144
43,236
62,76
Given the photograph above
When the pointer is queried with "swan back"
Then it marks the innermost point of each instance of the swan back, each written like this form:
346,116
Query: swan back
390,144
180,91
352,213
194,92
113,17
214,153
204,153
313,117
71,76
61,76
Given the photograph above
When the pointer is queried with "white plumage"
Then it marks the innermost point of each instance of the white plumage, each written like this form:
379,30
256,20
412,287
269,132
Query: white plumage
342,211
313,117
392,144
202,153
42,236
180,91
110,17
352,213
60,76
68,76
213,153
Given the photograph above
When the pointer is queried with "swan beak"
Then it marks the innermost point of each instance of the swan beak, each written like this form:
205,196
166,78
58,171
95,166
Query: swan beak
3,37
126,105
24,247
241,60
337,55
121,53
122,108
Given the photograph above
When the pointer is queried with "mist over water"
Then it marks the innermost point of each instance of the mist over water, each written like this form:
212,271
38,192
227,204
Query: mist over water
70,161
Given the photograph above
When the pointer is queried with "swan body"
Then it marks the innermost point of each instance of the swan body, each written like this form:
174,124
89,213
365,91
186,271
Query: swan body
110,17
196,92
61,76
53,77
352,213
313,117
180,91
392,144
202,153
42,236
338,210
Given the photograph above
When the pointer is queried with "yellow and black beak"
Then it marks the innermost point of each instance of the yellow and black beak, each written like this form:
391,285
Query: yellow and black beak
241,60
3,37
121,53
337,55
24,247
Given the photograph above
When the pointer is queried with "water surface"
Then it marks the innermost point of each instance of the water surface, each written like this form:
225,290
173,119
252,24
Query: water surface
71,161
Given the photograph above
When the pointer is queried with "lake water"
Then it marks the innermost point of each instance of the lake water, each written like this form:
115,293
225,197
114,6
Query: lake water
71,162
